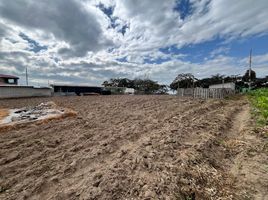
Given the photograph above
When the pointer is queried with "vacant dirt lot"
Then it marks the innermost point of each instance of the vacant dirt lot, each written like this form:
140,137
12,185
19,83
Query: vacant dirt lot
135,147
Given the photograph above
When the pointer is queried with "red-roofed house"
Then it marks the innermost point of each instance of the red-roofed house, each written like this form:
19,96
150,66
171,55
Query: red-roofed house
8,79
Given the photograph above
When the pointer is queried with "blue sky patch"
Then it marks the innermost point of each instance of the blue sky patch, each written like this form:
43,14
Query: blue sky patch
184,8
34,46
124,29
239,48
123,59
196,52
108,11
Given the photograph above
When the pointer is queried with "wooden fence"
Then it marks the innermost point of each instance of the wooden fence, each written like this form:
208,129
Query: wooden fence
205,93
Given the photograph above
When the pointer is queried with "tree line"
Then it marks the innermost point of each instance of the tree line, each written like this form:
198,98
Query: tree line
248,79
142,86
148,86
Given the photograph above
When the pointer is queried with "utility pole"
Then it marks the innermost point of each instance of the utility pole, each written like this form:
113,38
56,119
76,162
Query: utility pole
249,72
26,76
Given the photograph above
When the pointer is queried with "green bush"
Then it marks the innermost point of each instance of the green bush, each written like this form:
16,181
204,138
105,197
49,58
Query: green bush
259,99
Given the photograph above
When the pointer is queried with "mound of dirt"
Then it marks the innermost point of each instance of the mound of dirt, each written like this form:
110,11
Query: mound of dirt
40,113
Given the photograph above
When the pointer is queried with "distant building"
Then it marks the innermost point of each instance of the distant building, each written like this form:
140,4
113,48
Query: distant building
129,91
62,89
223,85
8,79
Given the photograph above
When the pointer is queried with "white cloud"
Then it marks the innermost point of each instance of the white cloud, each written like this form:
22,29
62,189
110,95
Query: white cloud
83,43
68,21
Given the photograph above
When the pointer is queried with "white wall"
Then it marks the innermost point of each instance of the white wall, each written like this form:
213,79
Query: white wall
23,91
129,91
224,85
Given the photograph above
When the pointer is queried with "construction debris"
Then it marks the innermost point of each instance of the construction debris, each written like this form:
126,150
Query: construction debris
43,111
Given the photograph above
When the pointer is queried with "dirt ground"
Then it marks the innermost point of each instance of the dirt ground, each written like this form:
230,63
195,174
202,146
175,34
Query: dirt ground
136,147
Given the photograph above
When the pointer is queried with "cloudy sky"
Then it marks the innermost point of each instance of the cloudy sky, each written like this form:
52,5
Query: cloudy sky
89,41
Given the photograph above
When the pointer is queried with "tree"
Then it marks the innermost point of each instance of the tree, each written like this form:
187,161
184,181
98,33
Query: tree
106,84
124,82
252,76
163,89
118,82
183,81
217,79
214,79
144,86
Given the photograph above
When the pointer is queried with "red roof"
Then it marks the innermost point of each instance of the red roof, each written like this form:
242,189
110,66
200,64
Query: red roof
8,76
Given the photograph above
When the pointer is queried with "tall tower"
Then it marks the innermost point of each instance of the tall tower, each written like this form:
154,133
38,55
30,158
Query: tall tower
250,54
249,71
26,76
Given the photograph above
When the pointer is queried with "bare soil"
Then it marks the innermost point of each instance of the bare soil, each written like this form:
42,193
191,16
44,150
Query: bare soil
3,113
136,147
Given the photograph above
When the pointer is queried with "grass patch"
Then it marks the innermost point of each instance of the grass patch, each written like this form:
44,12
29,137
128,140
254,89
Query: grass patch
259,100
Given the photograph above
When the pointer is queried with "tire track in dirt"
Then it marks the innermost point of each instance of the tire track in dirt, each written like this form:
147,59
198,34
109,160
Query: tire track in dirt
226,155
249,165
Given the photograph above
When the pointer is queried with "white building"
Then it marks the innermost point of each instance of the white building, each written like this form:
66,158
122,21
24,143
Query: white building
129,91
223,85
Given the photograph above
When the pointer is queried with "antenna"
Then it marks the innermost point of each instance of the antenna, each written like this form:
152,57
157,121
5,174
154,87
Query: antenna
26,76
250,65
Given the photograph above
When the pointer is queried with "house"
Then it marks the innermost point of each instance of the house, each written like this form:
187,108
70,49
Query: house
230,85
8,79
129,91
62,89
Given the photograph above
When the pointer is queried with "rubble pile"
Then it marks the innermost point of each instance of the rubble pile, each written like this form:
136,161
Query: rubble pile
42,111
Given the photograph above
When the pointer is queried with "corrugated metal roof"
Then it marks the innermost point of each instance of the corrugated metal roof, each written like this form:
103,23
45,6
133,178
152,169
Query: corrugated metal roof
23,86
8,76
70,85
